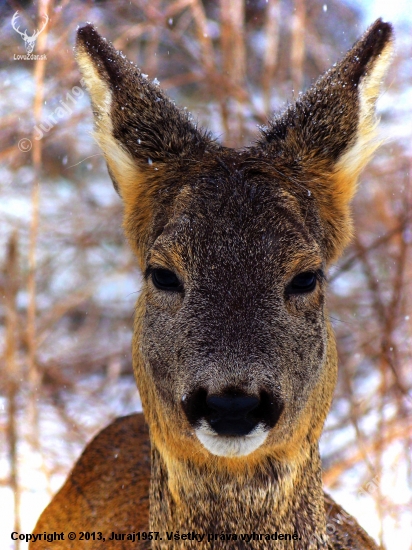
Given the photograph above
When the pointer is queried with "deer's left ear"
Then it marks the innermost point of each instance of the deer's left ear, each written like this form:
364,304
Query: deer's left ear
329,135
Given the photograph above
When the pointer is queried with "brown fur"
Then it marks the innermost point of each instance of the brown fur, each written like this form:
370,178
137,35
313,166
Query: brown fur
236,228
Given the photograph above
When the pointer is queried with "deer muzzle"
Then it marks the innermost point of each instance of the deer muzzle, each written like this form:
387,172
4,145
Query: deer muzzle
232,422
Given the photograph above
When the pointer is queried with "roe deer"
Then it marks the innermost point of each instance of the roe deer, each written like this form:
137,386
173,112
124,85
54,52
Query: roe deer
233,351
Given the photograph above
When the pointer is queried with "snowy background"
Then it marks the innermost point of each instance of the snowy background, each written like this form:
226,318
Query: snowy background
68,282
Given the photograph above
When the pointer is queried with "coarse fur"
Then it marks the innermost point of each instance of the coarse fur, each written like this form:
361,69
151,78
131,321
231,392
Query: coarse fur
235,362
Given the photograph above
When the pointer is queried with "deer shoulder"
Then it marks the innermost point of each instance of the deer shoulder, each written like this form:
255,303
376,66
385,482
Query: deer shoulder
107,490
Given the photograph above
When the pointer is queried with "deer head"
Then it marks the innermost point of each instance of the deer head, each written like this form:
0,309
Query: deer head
233,352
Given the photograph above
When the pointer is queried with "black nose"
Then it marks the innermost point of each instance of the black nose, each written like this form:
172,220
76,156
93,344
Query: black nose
230,414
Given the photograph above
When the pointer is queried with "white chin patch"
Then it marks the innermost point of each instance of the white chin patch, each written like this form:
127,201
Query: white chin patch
223,445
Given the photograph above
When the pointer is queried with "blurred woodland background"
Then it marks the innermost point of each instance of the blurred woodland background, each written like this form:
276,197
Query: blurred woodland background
68,282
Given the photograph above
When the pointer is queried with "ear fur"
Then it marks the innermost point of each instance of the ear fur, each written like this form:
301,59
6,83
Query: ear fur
140,131
146,123
329,134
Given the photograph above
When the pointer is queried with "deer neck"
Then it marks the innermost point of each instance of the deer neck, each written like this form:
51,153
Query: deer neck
274,498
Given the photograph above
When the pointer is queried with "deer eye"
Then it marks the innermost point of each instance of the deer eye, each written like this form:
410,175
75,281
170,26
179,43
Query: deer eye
302,283
164,279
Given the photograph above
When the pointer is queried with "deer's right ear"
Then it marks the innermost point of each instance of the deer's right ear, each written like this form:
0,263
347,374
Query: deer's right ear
141,132
138,128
